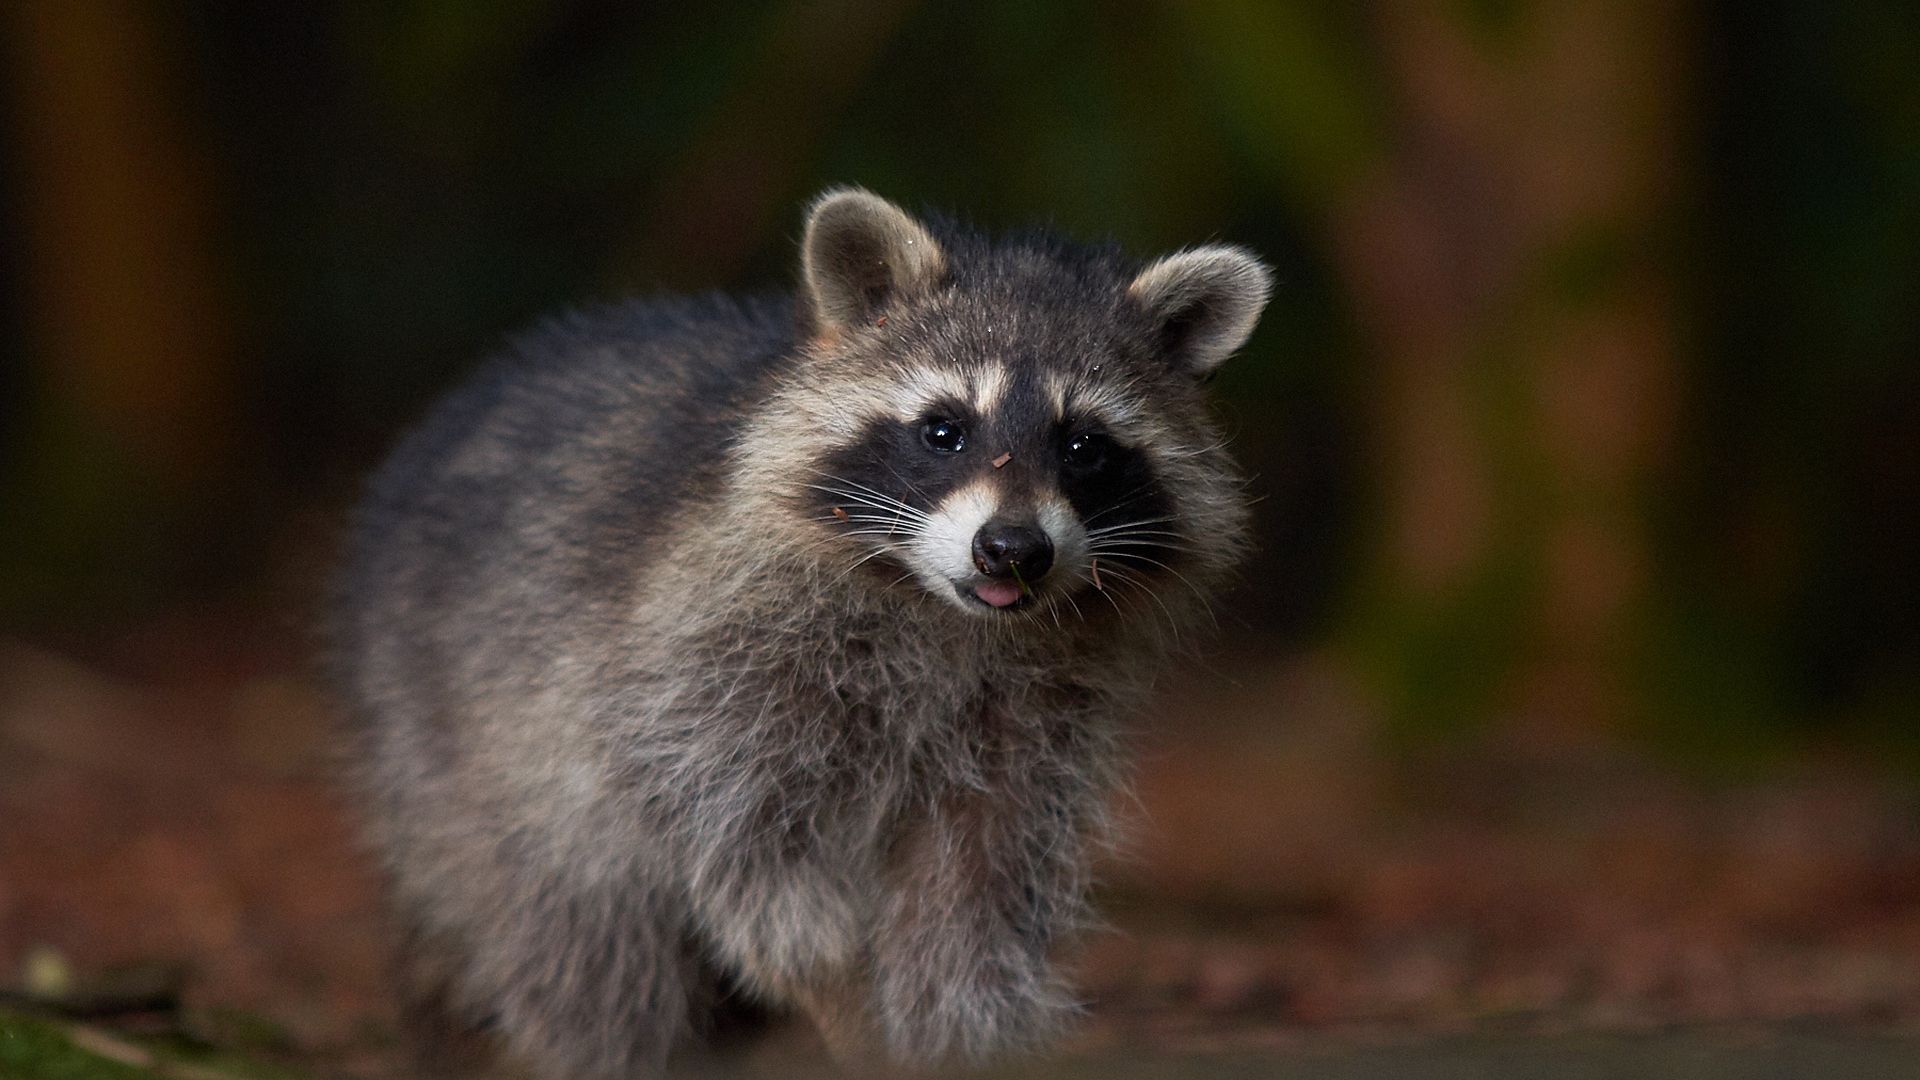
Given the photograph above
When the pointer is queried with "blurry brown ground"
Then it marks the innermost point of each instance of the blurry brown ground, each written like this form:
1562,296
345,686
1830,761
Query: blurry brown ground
165,798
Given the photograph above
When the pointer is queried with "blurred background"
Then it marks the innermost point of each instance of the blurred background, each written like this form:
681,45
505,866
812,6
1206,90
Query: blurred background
1577,677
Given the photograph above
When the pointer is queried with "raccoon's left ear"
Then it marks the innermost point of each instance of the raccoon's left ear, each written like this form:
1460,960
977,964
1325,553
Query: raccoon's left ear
860,252
1205,300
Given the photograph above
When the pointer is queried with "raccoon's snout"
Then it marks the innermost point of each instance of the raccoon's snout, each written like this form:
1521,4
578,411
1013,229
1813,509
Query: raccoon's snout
1002,551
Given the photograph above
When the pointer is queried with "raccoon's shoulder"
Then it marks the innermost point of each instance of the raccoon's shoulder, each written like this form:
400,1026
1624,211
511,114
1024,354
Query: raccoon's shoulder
594,422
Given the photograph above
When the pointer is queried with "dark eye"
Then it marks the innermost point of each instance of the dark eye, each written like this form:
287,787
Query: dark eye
944,436
1086,451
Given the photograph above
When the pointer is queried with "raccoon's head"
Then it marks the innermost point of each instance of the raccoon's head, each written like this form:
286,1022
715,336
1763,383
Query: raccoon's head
1015,426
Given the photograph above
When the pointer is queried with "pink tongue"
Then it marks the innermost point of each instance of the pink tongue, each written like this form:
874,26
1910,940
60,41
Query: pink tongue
997,593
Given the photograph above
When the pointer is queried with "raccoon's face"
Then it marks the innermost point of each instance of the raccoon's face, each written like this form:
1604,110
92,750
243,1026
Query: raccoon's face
999,488
1018,429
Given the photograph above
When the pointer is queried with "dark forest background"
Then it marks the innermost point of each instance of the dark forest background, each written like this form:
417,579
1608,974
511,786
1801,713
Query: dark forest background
1575,687
1589,404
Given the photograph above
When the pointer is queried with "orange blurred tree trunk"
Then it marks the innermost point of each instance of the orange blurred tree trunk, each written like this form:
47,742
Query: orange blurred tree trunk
1493,182
128,333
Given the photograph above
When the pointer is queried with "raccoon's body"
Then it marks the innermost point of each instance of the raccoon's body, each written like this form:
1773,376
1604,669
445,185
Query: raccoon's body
785,646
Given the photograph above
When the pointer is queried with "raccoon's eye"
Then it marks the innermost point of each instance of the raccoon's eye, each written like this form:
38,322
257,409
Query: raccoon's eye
1086,452
944,436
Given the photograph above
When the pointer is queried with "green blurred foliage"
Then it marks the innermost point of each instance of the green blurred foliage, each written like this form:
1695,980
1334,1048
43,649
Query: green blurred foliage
1790,551
34,1050
405,181
35,1047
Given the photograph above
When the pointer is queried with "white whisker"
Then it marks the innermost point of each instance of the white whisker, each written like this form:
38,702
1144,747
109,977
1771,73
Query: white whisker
1205,604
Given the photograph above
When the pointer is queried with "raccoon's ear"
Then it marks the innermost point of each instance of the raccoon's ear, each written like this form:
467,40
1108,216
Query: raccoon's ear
859,252
1205,300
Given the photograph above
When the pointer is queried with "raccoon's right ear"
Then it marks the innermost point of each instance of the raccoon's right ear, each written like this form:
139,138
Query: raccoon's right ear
861,251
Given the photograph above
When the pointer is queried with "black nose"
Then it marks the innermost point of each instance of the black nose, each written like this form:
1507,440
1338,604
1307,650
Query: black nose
1002,550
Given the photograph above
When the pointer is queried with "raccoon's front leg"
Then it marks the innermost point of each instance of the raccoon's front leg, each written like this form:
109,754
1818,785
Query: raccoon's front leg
839,1001
979,891
771,903
587,980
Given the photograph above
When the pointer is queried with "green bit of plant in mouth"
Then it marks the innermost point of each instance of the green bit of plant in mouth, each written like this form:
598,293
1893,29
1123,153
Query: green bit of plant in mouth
1018,580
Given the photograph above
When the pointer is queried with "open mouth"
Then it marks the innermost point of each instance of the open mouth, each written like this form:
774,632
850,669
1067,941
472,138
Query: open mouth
995,593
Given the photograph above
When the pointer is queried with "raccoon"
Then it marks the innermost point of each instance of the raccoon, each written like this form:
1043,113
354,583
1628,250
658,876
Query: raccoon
783,648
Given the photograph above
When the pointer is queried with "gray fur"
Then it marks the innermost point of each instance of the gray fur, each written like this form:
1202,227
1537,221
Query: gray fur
639,714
